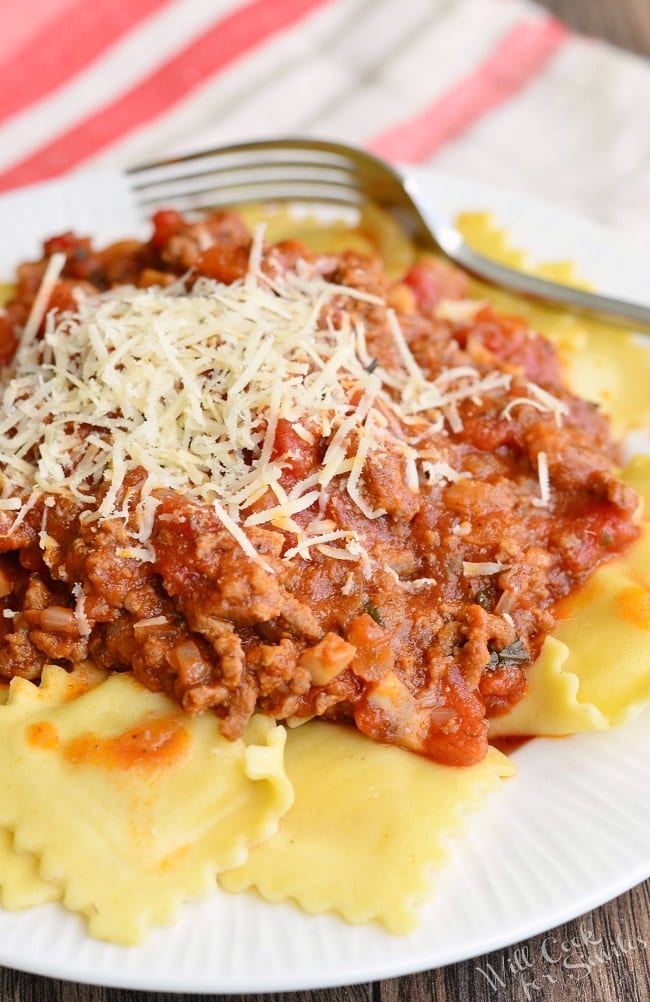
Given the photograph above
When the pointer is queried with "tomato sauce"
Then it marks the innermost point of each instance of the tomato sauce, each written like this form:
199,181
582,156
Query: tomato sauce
155,743
419,634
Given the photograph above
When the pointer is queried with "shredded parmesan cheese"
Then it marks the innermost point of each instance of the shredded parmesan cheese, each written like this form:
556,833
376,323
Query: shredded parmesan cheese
416,585
544,481
188,386
440,472
540,400
80,610
42,299
421,395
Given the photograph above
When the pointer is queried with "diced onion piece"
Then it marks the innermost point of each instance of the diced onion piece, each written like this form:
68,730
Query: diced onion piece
327,659
480,568
152,624
191,666
544,481
58,619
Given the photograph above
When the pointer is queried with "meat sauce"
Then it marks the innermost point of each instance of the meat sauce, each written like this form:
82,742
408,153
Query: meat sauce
423,636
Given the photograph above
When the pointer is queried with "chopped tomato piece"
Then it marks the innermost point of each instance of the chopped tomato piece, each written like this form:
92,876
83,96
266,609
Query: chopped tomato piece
8,338
224,262
166,223
298,456
432,281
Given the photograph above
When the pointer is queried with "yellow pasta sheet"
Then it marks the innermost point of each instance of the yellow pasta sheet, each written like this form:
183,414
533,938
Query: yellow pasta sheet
130,806
369,825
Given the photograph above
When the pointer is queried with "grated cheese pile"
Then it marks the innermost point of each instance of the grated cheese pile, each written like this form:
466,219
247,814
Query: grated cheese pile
190,385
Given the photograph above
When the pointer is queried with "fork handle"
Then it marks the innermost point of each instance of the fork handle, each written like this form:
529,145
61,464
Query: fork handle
621,311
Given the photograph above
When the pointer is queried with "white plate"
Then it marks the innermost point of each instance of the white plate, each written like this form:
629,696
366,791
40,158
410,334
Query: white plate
571,831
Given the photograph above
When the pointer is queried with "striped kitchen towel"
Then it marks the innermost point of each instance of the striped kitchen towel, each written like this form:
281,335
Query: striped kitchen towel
495,89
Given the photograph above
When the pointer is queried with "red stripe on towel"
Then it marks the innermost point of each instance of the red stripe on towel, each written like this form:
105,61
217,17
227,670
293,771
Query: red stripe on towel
511,66
226,41
20,22
65,46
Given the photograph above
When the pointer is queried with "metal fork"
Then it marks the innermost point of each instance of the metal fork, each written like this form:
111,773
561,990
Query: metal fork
306,170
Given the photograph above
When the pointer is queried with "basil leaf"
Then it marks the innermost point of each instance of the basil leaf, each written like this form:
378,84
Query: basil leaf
515,653
373,612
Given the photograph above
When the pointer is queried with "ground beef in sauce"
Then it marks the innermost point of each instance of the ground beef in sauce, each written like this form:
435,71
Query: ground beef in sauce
422,637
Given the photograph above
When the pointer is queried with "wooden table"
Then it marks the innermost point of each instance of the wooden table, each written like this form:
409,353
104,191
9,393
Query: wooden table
607,946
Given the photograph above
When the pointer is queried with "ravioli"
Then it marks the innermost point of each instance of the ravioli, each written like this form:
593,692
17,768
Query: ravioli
589,678
364,838
130,806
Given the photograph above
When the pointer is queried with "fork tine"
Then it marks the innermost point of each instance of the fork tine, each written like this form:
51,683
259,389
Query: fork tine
224,173
210,197
302,170
237,179
294,170
234,166
264,153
